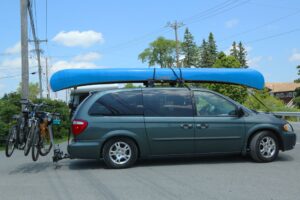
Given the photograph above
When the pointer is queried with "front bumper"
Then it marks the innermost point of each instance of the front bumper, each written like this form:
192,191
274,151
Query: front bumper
289,141
84,149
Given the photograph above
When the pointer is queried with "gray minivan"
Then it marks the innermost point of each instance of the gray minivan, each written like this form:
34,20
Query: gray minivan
123,125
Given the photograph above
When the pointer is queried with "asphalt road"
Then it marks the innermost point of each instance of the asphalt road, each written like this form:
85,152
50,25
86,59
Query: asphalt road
230,177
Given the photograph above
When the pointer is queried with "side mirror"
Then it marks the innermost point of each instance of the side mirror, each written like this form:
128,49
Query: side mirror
240,112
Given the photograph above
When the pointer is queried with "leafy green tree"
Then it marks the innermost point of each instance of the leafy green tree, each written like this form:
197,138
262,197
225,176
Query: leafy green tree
270,101
33,90
10,105
161,52
298,79
237,93
242,55
189,49
129,85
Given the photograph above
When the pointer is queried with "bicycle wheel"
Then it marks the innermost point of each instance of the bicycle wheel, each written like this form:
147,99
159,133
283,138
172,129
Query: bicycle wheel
45,144
11,141
35,145
29,139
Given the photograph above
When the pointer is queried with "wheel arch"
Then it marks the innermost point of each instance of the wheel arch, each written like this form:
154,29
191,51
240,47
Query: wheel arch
257,130
121,134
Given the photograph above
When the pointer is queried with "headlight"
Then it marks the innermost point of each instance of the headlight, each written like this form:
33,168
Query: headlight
288,127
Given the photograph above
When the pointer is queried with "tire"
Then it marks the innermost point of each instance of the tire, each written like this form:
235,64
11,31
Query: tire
45,145
35,152
264,147
11,141
29,139
125,153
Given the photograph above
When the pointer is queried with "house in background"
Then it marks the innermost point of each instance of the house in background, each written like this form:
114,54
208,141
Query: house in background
283,91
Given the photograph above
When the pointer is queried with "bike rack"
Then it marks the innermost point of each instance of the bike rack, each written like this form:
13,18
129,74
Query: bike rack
59,154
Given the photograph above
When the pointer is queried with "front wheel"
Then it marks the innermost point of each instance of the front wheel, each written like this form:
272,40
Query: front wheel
120,153
264,147
11,141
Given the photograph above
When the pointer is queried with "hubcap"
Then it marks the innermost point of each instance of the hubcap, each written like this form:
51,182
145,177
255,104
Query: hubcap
267,147
120,153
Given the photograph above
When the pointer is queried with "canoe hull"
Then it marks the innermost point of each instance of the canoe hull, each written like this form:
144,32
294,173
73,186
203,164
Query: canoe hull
78,77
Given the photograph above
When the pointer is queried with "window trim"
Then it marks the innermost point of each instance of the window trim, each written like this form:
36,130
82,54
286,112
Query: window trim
219,95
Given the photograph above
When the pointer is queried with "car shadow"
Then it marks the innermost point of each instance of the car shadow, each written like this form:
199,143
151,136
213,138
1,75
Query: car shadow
39,167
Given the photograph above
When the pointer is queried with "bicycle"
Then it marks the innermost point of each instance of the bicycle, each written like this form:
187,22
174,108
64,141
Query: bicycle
18,133
43,139
33,124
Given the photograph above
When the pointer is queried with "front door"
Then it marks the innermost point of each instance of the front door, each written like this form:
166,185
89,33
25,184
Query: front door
218,128
169,121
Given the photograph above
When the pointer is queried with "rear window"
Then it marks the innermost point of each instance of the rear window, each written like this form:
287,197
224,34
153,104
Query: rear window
166,102
123,103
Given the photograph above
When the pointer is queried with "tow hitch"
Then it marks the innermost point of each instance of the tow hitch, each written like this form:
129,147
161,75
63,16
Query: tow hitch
59,154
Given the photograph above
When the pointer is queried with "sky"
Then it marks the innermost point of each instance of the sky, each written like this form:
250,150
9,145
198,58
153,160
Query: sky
111,34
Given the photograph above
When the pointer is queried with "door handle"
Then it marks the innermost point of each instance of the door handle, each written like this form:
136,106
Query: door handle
202,126
186,126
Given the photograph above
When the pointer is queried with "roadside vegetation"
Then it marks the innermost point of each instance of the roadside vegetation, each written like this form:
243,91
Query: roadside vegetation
10,105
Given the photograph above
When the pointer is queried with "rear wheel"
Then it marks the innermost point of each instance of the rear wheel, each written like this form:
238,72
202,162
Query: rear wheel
11,141
35,145
264,147
45,144
29,139
120,153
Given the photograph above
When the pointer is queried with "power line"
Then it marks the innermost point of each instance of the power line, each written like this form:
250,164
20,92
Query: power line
261,26
273,36
215,13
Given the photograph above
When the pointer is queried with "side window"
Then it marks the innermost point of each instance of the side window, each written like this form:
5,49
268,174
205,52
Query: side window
209,104
164,102
124,103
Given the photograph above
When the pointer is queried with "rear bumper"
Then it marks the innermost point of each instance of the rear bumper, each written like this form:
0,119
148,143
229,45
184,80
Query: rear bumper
289,141
84,149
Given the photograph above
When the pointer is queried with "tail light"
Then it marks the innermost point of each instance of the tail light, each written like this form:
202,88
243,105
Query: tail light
78,126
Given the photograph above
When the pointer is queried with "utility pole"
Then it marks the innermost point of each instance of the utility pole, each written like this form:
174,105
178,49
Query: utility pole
176,26
47,80
24,49
37,48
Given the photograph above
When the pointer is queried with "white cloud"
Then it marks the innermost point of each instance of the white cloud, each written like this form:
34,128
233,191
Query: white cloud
77,38
63,64
11,63
15,49
88,57
295,57
254,61
231,23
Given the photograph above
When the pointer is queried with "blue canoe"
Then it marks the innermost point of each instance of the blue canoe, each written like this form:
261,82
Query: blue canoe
69,78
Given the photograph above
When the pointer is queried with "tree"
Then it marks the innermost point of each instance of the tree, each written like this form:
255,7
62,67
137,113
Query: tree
242,55
161,52
208,52
33,90
189,49
237,93
298,79
234,50
212,50
204,55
